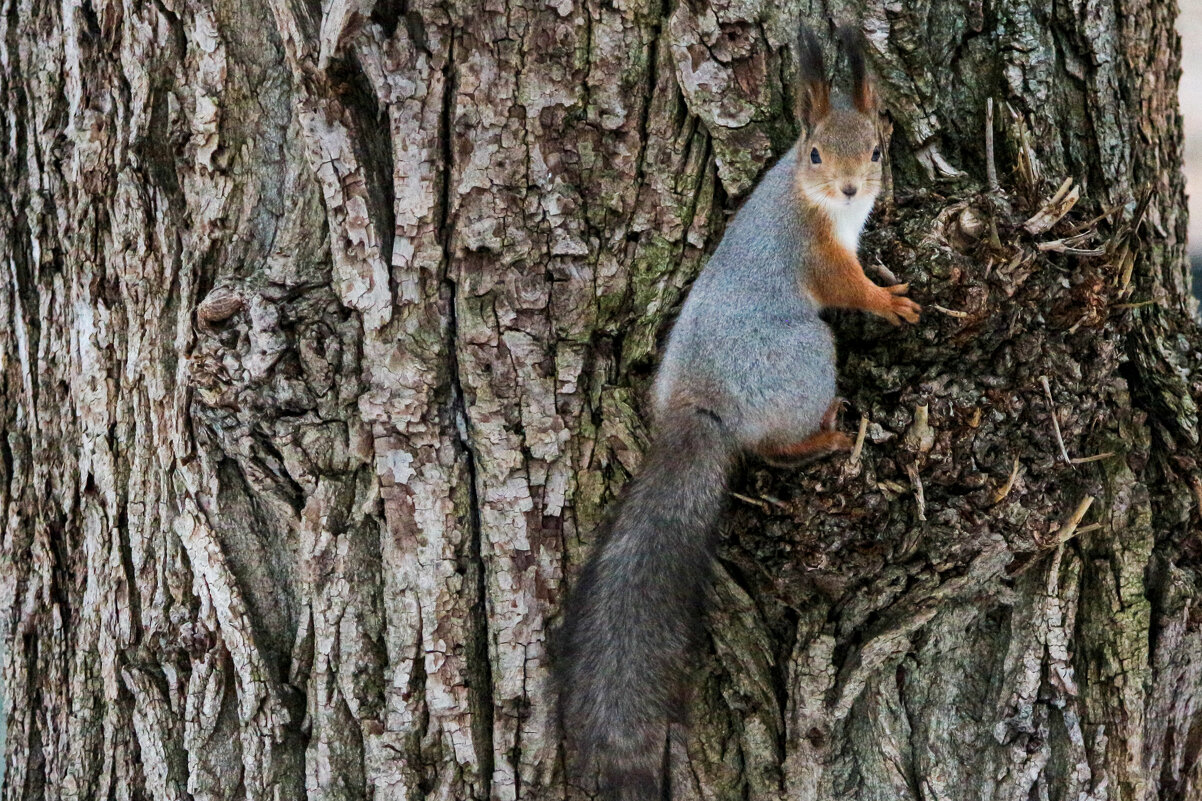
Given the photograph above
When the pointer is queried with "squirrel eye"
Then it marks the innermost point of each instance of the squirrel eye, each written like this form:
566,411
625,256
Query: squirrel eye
814,157
876,153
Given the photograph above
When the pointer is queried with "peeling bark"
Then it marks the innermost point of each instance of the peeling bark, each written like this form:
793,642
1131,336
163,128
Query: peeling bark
325,340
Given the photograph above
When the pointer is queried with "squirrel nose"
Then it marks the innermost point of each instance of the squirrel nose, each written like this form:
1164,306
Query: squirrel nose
849,190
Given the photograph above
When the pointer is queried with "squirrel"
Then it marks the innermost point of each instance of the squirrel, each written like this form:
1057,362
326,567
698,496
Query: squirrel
749,367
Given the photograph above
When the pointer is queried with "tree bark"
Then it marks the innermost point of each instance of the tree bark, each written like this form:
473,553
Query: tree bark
325,335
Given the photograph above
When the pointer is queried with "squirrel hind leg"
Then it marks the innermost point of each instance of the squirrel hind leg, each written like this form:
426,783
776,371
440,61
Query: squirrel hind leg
814,447
830,420
808,450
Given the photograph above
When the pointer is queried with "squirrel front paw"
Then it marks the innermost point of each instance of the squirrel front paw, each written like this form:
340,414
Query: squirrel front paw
894,307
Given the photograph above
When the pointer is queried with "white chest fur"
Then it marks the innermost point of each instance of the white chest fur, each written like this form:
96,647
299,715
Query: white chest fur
849,221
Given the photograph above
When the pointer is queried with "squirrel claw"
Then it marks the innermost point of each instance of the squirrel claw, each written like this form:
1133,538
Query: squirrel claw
830,420
895,307
906,308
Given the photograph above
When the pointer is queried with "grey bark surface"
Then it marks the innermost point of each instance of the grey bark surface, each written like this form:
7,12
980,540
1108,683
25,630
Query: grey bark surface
325,332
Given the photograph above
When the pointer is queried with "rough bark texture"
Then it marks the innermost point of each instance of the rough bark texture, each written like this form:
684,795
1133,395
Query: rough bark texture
324,337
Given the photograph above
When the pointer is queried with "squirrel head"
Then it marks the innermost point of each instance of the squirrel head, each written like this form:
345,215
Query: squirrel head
839,157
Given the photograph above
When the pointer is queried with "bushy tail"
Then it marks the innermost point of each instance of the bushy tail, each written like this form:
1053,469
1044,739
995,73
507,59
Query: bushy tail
635,618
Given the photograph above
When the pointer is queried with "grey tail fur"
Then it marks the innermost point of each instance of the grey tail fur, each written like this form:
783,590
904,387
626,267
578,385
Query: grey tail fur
635,618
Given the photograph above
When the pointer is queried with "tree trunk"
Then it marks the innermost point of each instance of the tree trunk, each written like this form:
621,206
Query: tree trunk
325,336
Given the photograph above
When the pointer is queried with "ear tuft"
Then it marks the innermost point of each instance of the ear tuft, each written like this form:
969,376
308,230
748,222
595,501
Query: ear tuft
863,91
815,88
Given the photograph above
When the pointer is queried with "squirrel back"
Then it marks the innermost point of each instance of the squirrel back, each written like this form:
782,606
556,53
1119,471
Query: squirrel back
748,315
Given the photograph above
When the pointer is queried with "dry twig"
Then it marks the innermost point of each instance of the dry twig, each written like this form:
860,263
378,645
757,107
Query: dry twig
1001,494
1095,458
1069,527
919,496
948,312
990,163
859,446
1047,389
1051,213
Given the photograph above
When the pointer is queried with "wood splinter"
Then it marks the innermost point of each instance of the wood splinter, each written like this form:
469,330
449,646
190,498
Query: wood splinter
1069,528
990,162
858,448
1047,389
1054,210
920,497
1009,485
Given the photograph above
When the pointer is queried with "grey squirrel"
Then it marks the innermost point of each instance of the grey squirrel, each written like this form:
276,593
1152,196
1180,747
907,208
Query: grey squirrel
749,367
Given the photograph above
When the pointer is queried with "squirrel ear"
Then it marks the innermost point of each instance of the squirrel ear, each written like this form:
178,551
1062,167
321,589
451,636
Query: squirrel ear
815,89
815,102
863,96
863,90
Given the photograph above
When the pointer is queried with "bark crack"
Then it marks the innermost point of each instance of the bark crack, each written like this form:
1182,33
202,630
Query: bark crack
479,667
